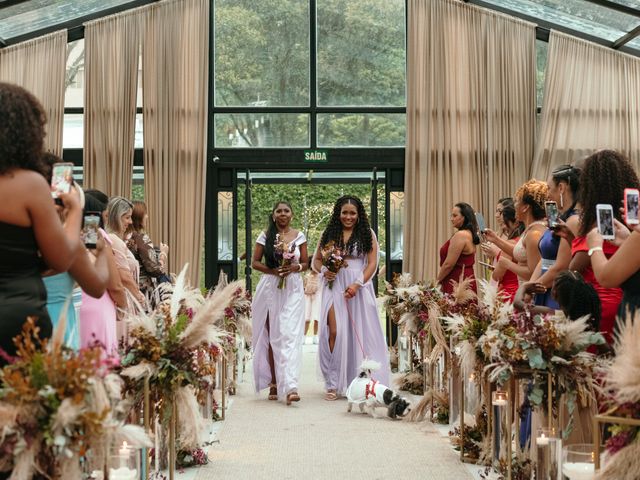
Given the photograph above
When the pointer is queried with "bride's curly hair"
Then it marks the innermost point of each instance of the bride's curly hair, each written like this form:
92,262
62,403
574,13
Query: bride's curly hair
361,240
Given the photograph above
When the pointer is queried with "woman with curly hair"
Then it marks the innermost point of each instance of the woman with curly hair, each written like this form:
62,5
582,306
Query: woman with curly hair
30,229
529,206
458,254
605,175
278,307
350,329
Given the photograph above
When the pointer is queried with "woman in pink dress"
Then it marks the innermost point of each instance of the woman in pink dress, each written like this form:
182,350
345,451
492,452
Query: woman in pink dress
350,328
458,254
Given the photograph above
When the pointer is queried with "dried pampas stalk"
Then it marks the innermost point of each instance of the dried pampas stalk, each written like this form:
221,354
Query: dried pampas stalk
462,291
623,465
178,292
624,374
65,416
141,370
488,293
113,384
422,409
436,327
191,422
134,435
69,467
410,381
408,321
202,329
25,466
468,358
577,333
142,320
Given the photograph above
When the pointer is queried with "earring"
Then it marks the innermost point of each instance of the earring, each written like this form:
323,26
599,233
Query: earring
561,201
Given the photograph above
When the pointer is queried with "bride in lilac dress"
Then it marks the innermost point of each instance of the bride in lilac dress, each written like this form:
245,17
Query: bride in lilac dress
278,313
350,328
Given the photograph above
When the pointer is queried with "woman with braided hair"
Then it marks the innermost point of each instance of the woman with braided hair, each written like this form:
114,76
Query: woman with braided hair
350,329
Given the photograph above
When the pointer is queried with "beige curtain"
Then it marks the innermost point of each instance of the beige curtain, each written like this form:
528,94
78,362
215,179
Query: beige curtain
175,82
39,66
591,101
112,49
470,118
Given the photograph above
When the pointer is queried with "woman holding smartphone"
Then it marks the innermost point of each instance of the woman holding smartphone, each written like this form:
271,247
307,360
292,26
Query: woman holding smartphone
278,307
458,254
529,206
555,254
30,230
350,328
605,175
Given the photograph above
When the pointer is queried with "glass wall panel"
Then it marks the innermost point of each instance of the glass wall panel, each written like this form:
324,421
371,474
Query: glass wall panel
396,215
225,225
262,130
74,79
578,15
261,53
361,52
542,50
73,131
361,130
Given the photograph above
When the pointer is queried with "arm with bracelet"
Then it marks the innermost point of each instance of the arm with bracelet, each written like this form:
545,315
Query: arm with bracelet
369,271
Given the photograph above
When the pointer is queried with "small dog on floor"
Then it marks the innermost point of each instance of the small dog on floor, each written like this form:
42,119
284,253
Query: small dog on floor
368,394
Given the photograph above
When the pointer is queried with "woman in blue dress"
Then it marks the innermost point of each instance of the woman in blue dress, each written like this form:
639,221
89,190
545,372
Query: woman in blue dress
555,254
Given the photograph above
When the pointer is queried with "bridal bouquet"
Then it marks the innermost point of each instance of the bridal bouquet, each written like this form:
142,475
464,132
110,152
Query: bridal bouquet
333,258
285,254
58,407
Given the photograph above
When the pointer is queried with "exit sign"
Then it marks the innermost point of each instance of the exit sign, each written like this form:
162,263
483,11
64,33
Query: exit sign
316,156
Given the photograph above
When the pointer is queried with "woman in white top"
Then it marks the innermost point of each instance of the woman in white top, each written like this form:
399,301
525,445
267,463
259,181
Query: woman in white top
278,307
529,205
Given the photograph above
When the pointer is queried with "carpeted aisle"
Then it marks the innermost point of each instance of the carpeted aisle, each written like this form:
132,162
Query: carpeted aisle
316,439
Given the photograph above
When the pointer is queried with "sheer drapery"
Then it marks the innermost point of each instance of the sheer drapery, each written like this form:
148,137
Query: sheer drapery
40,66
112,49
591,102
470,118
175,86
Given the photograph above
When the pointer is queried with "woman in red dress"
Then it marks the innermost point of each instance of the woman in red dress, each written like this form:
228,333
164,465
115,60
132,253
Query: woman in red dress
458,254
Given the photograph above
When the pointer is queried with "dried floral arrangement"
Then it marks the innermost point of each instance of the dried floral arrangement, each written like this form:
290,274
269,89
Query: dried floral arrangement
468,325
622,391
543,344
333,258
176,346
59,407
522,468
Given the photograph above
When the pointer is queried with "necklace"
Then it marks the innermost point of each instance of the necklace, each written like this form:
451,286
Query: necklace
284,232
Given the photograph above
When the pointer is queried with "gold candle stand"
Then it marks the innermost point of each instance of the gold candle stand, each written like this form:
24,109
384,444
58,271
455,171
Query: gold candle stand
607,419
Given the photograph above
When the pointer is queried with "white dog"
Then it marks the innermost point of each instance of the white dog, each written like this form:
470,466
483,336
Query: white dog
368,394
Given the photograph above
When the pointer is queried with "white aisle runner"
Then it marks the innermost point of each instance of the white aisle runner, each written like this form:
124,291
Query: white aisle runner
316,439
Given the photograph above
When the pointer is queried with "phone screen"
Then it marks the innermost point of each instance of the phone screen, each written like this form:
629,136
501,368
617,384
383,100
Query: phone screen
604,214
551,209
481,225
631,197
90,229
61,178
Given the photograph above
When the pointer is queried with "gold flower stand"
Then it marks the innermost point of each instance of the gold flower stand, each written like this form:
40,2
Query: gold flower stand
604,420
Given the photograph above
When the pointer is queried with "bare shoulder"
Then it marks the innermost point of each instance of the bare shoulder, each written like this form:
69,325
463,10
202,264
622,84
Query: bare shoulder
462,236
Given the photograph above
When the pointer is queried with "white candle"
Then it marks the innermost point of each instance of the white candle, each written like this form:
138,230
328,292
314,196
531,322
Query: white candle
500,402
123,473
579,470
123,453
542,440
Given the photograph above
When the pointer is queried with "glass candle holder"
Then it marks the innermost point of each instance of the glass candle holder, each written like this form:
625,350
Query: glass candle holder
500,427
125,463
549,454
578,462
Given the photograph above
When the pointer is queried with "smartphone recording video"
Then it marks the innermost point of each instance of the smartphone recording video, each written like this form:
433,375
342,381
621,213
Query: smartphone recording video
604,216
481,225
551,208
61,178
631,197
90,229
